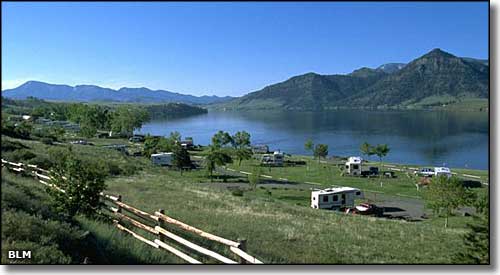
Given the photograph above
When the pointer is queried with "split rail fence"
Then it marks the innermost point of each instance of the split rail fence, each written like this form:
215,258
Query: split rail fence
121,212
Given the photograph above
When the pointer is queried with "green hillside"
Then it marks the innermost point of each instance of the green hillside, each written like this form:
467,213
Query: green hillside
435,78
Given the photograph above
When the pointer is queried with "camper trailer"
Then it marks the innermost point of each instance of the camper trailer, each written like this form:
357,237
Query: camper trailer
353,166
260,149
436,171
335,198
162,159
442,171
274,159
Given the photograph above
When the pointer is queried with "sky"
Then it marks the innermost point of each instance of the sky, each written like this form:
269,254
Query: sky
225,48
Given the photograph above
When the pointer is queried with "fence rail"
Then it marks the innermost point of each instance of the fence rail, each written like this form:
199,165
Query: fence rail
128,213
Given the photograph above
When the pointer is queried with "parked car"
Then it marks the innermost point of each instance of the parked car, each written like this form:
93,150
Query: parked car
372,171
368,209
425,171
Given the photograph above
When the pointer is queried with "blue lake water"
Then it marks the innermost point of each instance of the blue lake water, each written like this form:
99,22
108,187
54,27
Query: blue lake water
455,139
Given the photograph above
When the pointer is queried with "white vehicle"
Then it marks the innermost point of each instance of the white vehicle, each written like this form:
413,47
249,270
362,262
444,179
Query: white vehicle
162,159
425,171
353,166
335,198
436,171
442,171
275,159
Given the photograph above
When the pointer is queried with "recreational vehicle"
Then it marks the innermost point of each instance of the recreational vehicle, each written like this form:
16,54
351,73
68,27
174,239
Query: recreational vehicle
353,166
442,171
335,198
162,159
260,149
436,171
274,159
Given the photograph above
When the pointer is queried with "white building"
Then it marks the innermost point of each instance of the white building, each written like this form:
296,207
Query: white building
162,159
335,198
353,166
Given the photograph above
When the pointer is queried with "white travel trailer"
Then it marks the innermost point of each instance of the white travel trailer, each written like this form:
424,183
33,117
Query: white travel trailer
353,166
335,198
274,159
162,159
442,171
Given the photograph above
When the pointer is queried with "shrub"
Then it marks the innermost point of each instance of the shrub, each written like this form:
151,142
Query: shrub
8,146
42,161
47,140
237,192
82,181
113,169
20,155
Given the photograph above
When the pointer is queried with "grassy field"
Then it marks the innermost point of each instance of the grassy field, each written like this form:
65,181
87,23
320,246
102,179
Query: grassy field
329,174
279,225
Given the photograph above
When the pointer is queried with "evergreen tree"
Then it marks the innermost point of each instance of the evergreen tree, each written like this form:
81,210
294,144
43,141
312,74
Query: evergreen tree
181,159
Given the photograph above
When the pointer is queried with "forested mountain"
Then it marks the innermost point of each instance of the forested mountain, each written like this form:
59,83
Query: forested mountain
434,78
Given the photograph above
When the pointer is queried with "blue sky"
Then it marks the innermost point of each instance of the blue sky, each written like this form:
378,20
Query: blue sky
225,48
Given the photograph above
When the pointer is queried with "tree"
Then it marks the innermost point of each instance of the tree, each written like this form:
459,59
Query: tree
221,139
216,157
243,153
181,158
476,241
254,177
175,137
309,145
82,182
125,119
381,150
321,151
241,139
241,142
444,195
87,128
150,145
366,149
23,129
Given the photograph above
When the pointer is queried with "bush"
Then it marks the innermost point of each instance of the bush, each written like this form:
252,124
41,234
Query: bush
113,169
47,140
20,155
129,169
82,181
237,192
8,146
42,162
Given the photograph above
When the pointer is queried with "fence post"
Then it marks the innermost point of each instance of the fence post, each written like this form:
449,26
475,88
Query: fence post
119,207
161,224
243,247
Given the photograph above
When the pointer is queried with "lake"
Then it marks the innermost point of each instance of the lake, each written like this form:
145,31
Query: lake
454,139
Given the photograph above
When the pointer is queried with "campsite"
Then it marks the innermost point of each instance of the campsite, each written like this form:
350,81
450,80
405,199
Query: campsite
275,215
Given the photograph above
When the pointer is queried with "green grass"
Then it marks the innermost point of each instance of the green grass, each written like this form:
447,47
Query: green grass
283,232
280,227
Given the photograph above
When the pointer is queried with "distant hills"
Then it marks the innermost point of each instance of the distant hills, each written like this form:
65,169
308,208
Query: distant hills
435,78
89,93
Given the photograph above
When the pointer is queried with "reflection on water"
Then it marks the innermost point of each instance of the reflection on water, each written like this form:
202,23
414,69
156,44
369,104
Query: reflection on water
457,139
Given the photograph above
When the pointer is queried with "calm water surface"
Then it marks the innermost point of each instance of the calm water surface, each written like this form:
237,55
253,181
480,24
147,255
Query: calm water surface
455,139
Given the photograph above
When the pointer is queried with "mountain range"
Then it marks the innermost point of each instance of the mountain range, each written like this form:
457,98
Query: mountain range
90,93
435,78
